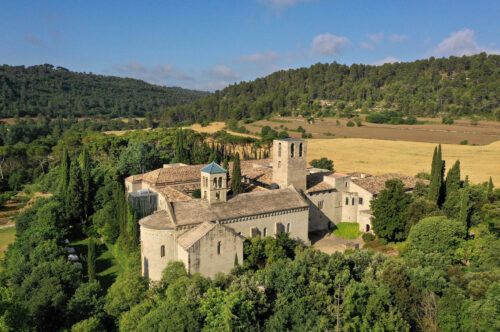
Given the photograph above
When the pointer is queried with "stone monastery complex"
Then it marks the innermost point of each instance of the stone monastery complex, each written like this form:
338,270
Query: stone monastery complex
281,195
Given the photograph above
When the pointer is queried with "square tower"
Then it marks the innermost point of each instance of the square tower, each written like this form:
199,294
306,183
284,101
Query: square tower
289,163
214,183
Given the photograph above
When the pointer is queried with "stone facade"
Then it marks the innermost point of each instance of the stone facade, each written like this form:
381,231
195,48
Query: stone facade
208,233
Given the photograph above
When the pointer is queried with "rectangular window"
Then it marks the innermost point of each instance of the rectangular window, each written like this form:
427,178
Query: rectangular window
162,251
320,205
353,202
361,201
347,201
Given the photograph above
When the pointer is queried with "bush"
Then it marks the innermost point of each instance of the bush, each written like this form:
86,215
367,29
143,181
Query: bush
464,142
447,120
350,124
368,237
196,193
323,163
358,121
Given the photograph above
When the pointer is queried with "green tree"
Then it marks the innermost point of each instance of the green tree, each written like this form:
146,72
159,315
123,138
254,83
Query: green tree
129,289
88,301
75,194
390,210
465,208
181,155
323,163
435,193
87,183
453,182
64,174
91,259
236,184
92,324
490,188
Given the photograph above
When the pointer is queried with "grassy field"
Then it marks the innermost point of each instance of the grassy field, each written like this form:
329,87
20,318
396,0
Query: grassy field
347,230
107,267
7,236
383,156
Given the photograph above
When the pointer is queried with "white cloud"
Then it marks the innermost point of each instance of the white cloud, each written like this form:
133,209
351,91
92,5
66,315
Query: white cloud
389,59
224,73
282,4
376,37
398,38
460,43
328,44
159,74
366,45
262,59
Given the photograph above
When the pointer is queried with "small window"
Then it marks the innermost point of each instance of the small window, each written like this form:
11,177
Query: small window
288,228
353,202
346,184
217,195
215,182
279,149
347,201
320,205
292,149
218,248
162,251
264,232
367,228
361,201
220,182
300,150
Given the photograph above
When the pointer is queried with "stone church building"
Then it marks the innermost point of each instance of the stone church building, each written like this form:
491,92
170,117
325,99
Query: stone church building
281,195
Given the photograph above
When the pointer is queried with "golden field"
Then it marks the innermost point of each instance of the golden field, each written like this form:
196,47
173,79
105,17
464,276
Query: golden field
384,156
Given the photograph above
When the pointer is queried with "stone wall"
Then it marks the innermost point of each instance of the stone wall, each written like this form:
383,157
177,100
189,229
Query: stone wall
296,219
325,209
215,252
152,240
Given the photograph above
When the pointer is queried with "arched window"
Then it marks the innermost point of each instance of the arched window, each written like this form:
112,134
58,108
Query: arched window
367,228
264,232
292,150
218,248
347,201
288,228
279,149
300,150
162,251
220,182
215,182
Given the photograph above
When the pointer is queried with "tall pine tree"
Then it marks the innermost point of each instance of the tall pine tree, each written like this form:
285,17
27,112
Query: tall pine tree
87,184
436,187
236,184
74,196
64,174
453,179
91,258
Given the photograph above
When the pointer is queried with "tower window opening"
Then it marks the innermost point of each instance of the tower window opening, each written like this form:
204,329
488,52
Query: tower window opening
264,232
288,228
162,251
217,195
220,182
300,150
353,202
218,248
292,150
361,201
279,149
347,201
215,182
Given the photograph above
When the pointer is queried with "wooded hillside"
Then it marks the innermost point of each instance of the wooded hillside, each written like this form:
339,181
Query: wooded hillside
455,86
54,91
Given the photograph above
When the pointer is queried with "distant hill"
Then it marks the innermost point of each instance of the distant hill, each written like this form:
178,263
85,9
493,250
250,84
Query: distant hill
55,91
455,86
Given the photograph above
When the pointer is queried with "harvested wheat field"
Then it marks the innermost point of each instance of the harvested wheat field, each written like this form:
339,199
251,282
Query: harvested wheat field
215,127
383,156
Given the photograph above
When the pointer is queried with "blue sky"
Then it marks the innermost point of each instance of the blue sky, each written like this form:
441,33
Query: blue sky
210,44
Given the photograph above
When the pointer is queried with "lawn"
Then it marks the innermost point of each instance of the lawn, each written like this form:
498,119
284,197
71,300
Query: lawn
108,268
347,230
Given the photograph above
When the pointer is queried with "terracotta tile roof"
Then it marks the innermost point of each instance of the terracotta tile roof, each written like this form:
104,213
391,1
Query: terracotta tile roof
315,182
134,178
171,175
172,194
158,220
375,184
192,236
247,204
262,175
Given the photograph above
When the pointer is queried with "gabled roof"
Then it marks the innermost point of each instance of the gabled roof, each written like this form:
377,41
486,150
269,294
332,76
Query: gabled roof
213,168
192,236
375,184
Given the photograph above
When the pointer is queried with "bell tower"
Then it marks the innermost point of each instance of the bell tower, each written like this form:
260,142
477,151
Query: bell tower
289,163
214,183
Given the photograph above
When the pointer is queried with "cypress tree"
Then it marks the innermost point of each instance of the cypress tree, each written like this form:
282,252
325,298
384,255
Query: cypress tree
87,184
436,187
236,184
225,164
91,258
64,174
490,188
74,197
236,263
453,179
434,161
466,181
180,153
465,208
213,154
